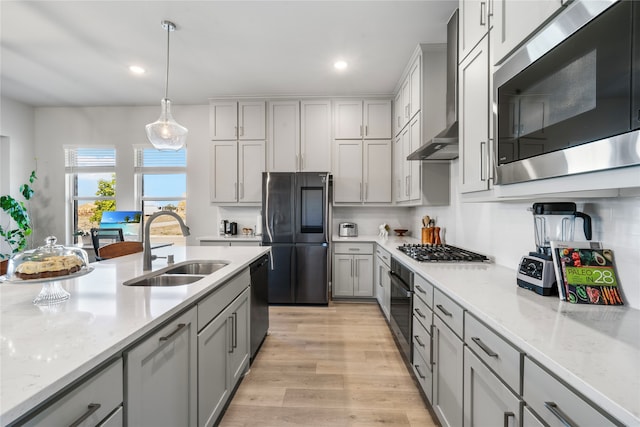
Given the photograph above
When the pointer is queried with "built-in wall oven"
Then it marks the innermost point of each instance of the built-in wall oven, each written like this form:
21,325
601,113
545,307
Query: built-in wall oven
401,309
569,101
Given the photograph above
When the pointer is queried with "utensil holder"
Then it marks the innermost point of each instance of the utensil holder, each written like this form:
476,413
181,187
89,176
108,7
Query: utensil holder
427,235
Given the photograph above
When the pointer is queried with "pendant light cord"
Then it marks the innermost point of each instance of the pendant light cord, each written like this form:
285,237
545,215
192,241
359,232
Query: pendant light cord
166,86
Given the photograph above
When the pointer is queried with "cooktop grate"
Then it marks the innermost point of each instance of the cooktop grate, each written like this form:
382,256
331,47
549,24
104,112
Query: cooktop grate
440,253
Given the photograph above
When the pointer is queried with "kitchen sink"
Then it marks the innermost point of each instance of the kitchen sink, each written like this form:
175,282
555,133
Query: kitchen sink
164,280
197,267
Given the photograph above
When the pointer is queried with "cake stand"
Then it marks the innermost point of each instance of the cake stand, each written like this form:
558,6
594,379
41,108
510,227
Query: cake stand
52,291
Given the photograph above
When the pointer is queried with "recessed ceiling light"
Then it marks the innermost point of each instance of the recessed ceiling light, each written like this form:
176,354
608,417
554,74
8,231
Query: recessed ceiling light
135,69
340,65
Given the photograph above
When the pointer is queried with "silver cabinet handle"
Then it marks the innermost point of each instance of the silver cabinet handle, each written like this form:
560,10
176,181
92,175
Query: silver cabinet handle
235,190
419,313
406,183
508,415
482,155
175,331
354,249
366,130
357,265
360,130
235,130
351,267
297,161
483,6
241,186
241,130
91,408
484,347
420,343
231,335
360,191
555,410
301,162
418,371
444,310
419,289
235,330
431,362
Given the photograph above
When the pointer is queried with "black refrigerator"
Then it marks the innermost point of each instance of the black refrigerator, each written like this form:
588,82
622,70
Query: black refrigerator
296,218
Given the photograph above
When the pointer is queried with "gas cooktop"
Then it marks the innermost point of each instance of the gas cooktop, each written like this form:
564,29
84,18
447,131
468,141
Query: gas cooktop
440,253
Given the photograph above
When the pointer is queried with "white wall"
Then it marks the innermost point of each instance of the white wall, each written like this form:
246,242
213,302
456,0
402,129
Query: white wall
122,127
504,230
16,129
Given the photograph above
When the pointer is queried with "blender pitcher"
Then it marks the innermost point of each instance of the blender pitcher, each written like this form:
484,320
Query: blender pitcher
556,221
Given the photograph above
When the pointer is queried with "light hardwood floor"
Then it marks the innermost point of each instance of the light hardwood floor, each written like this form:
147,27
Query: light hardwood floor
328,366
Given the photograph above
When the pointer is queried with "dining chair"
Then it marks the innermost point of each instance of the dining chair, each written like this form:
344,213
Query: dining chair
103,236
113,250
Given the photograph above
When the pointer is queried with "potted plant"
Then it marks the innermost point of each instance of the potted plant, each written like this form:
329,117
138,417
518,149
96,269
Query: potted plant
16,238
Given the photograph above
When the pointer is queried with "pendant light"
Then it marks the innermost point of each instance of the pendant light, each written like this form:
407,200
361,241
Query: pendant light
165,133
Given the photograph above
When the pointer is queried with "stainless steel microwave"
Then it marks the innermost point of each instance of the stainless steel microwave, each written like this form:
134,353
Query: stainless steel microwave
569,100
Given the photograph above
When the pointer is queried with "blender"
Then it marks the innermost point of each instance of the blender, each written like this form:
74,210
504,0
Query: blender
552,222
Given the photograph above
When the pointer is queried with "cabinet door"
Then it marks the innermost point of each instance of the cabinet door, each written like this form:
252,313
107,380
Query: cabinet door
161,376
348,119
406,164
251,120
223,120
363,276
398,114
377,119
415,82
406,99
315,136
239,352
284,136
386,284
377,172
473,25
214,385
347,171
399,176
447,375
474,120
223,171
487,401
415,140
377,280
515,20
250,168
343,275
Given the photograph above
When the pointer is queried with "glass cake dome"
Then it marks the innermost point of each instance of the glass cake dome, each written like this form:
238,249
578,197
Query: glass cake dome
48,264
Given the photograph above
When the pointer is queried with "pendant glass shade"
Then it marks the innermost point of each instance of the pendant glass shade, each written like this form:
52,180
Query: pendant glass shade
165,133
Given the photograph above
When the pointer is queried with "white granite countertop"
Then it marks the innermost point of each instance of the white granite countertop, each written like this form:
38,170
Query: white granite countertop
237,237
595,349
44,349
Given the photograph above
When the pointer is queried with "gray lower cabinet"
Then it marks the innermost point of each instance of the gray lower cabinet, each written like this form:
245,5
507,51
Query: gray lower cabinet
353,270
447,374
161,376
557,405
487,401
90,403
223,356
227,243
382,280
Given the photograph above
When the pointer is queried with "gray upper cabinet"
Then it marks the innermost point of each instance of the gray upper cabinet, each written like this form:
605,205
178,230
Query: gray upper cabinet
243,120
474,25
362,119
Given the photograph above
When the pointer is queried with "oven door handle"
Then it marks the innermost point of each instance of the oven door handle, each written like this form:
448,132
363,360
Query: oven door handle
397,283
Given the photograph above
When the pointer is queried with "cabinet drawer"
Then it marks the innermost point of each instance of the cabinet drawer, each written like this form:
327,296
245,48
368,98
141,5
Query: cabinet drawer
422,371
497,353
422,340
552,401
104,389
421,311
384,255
423,289
213,304
449,311
353,248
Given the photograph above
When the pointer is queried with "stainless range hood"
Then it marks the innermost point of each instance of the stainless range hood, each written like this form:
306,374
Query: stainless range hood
444,146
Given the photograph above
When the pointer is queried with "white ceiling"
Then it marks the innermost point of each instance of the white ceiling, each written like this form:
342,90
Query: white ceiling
77,53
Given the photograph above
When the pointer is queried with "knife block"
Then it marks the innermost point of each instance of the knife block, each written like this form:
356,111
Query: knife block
427,235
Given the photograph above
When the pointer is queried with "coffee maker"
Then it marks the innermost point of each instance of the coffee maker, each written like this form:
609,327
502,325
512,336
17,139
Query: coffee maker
552,222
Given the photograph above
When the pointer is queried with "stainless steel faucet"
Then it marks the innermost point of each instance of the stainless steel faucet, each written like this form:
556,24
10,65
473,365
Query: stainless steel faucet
147,243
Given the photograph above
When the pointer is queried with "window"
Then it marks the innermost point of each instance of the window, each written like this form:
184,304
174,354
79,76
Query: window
161,184
90,188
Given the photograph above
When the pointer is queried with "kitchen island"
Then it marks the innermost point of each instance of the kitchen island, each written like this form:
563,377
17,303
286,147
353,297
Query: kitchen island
593,349
45,349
